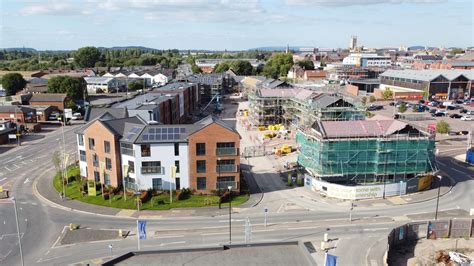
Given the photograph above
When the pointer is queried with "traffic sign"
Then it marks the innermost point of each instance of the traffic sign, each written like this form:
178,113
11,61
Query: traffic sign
266,209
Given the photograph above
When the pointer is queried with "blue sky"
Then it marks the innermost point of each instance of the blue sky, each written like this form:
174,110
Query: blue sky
234,24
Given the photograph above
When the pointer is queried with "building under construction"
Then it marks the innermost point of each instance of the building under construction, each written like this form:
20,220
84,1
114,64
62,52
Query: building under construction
298,107
365,151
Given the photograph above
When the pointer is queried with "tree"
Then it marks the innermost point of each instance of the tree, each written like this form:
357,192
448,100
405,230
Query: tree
455,51
372,98
387,94
12,83
278,65
71,105
241,67
87,56
306,64
135,85
364,100
195,69
402,108
65,84
222,67
443,127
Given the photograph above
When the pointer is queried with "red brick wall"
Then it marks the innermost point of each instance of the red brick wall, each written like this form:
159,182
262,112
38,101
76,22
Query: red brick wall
211,135
59,105
354,90
99,133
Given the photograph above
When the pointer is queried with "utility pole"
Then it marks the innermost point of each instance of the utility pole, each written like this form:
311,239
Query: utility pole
18,232
64,157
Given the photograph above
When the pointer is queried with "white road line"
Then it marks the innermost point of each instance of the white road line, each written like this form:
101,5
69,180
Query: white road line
213,234
266,230
3,179
211,227
457,171
303,228
26,180
59,237
173,243
161,237
443,164
8,169
374,229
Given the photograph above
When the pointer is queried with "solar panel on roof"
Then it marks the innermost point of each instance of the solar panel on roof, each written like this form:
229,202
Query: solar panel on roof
152,137
176,130
158,130
158,137
164,137
151,131
182,130
145,137
176,136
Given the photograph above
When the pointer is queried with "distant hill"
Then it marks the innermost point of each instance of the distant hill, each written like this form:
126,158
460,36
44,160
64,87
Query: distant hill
419,47
121,48
23,49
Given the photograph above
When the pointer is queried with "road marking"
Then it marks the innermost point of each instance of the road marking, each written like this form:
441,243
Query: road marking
160,237
226,221
173,243
457,171
3,179
26,180
213,234
59,237
210,227
374,229
266,230
303,228
8,169
443,164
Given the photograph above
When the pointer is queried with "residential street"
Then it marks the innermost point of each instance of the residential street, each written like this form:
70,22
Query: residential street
294,213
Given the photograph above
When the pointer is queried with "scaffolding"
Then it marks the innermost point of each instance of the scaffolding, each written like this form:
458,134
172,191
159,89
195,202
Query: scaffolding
391,158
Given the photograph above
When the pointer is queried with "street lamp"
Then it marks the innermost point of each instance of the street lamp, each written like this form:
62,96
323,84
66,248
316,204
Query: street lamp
437,199
219,176
230,214
18,231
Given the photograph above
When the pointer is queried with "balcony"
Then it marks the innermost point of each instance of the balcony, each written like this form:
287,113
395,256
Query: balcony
152,170
226,151
226,168
224,185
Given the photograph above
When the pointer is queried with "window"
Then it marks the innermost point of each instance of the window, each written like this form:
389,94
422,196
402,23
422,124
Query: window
201,166
146,152
108,164
157,183
176,163
96,177
224,182
226,148
107,179
80,139
106,146
178,183
82,156
153,167
91,144
126,149
201,183
176,149
200,148
95,160
131,167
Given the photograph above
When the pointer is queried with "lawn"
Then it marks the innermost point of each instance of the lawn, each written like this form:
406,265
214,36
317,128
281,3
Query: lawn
158,202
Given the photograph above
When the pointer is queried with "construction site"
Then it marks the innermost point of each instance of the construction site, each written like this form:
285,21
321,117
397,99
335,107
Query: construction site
379,150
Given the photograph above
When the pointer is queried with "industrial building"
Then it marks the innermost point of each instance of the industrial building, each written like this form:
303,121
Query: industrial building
379,150
298,107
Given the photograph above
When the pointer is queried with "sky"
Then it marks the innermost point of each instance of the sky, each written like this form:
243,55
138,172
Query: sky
234,24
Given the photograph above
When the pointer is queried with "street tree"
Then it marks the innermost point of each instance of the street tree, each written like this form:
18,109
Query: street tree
364,100
306,64
278,65
402,108
387,94
443,127
12,83
372,98
87,56
65,84
135,85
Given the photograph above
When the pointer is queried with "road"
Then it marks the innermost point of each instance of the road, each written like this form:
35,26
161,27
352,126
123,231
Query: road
293,215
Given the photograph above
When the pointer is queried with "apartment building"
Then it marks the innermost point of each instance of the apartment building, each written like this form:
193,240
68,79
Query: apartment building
138,155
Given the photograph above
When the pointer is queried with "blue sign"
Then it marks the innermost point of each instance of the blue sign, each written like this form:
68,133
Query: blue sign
142,230
330,260
266,210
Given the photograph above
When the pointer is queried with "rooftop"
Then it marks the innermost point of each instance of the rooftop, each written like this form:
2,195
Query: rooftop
98,79
429,74
48,97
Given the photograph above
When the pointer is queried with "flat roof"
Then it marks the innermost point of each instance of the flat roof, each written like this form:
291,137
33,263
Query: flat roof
275,254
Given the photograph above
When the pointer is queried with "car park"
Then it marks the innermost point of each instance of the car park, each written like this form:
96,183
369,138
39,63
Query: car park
54,116
463,111
432,111
466,118
463,132
76,116
456,116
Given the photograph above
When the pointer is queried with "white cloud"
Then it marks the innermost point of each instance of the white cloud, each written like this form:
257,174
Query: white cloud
341,3
52,8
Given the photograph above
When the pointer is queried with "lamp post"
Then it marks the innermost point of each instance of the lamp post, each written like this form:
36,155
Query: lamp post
18,231
437,199
218,177
230,214
64,155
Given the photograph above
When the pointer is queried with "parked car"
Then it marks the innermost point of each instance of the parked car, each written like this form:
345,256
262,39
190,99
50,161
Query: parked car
452,133
76,116
458,101
433,110
54,116
456,116
463,111
374,107
464,132
466,118
438,114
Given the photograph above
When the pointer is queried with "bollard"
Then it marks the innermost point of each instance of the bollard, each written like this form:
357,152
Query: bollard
322,245
120,233
325,237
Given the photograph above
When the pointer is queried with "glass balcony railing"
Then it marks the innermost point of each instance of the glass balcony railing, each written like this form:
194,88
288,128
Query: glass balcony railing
226,151
223,168
224,185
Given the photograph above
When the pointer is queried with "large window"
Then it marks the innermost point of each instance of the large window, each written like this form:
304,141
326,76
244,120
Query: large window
146,152
201,183
80,138
226,148
176,163
82,156
91,144
131,167
126,149
153,167
201,166
176,149
226,166
96,177
108,164
107,179
200,148
223,182
95,160
106,146
157,183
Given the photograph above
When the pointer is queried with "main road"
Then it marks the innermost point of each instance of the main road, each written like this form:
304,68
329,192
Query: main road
41,224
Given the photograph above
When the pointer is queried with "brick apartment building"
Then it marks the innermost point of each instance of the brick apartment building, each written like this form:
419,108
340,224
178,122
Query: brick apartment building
139,155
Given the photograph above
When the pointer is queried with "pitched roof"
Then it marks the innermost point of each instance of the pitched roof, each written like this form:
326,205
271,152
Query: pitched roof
15,108
428,74
98,79
117,126
315,73
48,97
106,113
360,128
